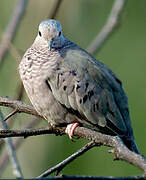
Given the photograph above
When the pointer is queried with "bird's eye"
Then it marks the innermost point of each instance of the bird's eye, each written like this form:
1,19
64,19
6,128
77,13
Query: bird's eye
40,33
59,33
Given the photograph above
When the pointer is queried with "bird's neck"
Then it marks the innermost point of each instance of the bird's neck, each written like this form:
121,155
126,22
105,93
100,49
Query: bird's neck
60,42
40,44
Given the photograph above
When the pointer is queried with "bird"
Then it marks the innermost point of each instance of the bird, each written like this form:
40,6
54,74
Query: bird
70,88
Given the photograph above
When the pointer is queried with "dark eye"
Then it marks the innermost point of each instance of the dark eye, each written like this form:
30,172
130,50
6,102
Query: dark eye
59,33
40,33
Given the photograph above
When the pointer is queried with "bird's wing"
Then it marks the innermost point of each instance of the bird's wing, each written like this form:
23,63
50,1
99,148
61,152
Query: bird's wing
84,84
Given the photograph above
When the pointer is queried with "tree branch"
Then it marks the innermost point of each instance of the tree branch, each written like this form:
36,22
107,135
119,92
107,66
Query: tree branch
8,35
119,149
68,160
10,119
20,91
55,9
64,177
18,105
108,28
11,114
17,142
16,168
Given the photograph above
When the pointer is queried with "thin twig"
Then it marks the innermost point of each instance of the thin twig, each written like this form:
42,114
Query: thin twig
10,120
17,142
108,28
11,114
19,96
20,91
14,52
8,35
55,8
68,160
10,117
16,168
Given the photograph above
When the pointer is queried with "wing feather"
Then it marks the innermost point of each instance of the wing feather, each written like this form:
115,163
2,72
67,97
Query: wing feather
89,87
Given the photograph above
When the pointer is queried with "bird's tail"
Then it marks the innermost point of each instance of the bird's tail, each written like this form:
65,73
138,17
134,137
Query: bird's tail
131,144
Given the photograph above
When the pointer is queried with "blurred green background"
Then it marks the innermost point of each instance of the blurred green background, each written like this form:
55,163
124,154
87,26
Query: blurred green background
124,53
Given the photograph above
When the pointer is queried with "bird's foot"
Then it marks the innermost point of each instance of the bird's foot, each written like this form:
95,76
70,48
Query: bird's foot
70,129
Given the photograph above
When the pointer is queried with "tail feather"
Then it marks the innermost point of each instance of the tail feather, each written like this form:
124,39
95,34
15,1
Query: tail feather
130,144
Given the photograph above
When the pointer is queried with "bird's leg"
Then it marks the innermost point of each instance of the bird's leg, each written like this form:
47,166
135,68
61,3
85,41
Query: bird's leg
70,129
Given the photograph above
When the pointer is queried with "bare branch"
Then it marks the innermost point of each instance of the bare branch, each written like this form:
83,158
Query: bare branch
19,96
14,52
10,119
64,177
29,132
120,150
18,105
8,35
55,9
109,27
16,168
20,91
68,160
17,142
11,114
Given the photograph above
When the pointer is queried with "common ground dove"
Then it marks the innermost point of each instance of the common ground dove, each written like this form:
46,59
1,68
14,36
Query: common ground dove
69,87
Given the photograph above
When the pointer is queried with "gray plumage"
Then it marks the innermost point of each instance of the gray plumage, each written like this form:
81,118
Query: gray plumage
66,84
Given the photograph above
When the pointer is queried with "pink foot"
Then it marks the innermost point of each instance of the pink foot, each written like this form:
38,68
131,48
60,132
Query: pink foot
70,129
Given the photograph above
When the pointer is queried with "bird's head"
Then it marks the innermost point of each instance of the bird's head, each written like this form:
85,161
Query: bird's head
50,33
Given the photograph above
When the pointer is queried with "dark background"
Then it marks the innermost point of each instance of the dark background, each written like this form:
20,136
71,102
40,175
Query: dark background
124,53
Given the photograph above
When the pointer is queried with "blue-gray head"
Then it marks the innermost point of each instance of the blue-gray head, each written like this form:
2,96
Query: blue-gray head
50,33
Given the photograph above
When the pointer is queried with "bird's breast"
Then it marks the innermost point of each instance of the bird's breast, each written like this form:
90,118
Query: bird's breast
34,72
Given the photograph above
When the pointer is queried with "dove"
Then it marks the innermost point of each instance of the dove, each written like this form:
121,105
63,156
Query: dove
69,87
